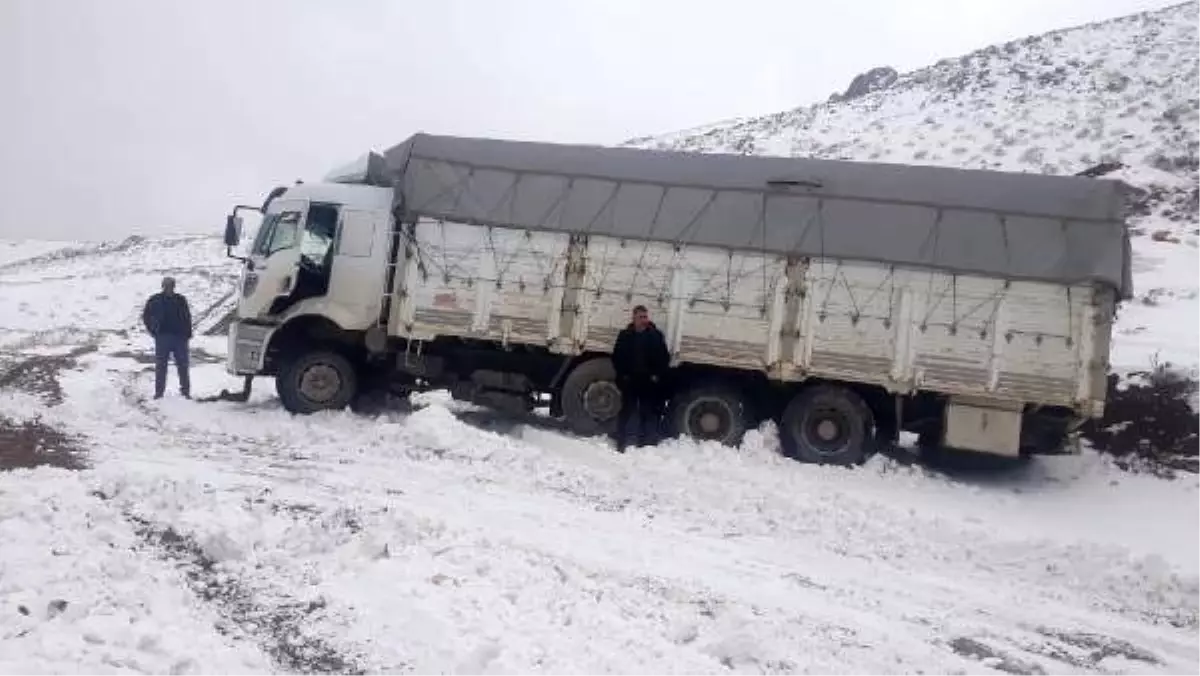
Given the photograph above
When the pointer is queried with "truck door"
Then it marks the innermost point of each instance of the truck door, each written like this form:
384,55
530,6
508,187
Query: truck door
359,265
274,258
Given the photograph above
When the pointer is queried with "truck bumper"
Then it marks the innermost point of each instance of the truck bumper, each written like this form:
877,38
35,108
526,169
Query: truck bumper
247,348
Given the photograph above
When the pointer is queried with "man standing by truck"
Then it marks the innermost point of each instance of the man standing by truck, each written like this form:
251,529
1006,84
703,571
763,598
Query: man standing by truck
169,321
641,361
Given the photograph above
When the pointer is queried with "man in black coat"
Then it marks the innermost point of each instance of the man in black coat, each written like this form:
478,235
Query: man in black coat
169,320
641,360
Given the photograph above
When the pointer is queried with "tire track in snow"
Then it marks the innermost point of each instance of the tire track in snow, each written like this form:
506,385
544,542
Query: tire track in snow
240,449
278,628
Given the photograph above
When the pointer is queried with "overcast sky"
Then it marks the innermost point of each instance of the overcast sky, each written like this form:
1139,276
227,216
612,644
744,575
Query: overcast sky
149,116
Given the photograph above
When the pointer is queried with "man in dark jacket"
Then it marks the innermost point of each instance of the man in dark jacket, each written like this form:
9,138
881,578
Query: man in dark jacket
641,360
169,320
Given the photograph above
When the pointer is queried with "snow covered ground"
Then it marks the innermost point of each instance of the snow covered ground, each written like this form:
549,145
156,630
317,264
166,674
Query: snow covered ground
235,538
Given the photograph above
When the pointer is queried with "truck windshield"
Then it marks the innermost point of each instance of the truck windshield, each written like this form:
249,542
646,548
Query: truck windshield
317,240
278,232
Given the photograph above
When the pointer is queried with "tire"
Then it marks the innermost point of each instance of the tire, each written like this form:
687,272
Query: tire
317,381
590,398
710,413
828,425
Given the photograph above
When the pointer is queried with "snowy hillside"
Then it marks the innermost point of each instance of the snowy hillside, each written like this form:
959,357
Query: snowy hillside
1120,91
1124,90
71,292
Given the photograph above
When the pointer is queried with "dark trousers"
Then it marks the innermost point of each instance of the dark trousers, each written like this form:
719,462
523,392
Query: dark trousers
166,348
640,401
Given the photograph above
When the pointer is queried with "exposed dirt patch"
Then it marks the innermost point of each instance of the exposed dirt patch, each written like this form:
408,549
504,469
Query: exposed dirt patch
58,337
147,357
973,649
279,628
1082,650
33,443
1097,647
1149,423
29,444
38,374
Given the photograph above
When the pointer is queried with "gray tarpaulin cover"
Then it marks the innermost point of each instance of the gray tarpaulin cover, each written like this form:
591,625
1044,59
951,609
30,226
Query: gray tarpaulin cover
1015,226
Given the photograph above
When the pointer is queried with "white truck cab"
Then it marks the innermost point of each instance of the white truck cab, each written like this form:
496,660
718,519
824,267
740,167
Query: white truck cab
320,252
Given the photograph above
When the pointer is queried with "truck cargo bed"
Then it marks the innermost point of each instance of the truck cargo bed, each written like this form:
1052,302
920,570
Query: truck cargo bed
903,328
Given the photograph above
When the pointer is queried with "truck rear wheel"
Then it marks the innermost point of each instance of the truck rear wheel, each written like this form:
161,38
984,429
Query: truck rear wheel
709,413
316,381
590,398
828,425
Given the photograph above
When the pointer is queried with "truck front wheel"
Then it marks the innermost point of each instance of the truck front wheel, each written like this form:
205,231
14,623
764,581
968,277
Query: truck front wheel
709,413
590,398
316,381
828,425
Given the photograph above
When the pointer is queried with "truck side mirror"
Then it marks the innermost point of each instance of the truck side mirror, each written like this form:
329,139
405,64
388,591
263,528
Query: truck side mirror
233,230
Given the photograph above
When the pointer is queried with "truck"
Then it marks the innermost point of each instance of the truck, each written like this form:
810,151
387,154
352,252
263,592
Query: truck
846,301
